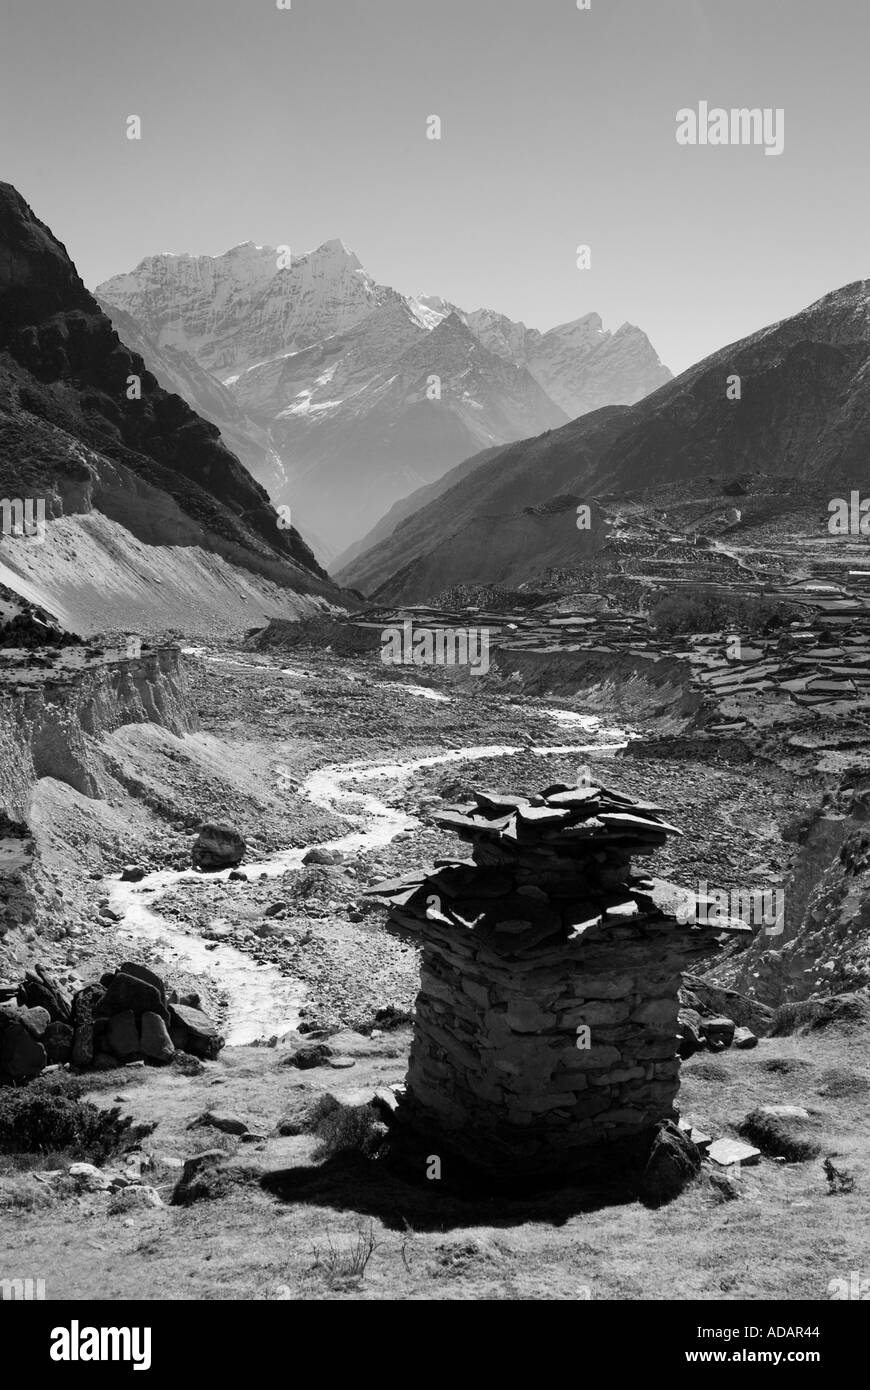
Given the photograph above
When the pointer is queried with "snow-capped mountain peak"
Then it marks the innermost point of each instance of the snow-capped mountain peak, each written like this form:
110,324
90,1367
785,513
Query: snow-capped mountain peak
358,391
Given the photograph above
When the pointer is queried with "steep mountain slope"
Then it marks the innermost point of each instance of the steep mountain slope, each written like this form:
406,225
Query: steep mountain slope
441,544
179,372
159,475
804,413
354,396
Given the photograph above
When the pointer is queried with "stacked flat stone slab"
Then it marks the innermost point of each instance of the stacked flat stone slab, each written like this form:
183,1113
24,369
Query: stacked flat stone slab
545,932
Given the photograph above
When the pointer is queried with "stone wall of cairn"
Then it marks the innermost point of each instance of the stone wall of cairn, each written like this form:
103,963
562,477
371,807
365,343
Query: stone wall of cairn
544,932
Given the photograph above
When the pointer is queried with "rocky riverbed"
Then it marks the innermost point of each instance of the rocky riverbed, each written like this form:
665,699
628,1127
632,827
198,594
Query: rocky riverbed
337,756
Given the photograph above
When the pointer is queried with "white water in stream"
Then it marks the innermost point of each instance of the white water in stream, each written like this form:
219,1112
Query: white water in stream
261,1001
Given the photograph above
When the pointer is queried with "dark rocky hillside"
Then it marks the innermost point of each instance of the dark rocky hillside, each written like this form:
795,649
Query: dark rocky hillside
69,433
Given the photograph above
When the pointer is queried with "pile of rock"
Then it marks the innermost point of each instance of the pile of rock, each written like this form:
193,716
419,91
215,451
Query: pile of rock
715,1034
126,1017
715,1018
546,1024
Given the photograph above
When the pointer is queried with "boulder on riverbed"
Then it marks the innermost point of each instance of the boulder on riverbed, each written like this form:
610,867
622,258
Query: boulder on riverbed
319,855
217,846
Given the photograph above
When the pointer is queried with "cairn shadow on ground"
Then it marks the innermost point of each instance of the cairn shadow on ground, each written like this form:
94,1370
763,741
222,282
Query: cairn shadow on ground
349,1181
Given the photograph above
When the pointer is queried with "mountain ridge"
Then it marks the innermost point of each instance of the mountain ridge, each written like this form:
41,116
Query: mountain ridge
804,412
349,387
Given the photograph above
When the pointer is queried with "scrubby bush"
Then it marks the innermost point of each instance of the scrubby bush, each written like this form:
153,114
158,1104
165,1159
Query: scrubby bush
347,1265
187,1064
344,1128
42,1118
840,1181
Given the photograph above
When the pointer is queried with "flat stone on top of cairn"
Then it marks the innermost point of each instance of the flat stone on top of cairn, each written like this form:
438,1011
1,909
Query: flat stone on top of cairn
546,1024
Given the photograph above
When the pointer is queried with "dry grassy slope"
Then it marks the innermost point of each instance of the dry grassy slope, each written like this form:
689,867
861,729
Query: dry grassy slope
783,1238
520,475
527,541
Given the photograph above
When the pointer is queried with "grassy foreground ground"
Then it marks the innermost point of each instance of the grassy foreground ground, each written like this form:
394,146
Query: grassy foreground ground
783,1237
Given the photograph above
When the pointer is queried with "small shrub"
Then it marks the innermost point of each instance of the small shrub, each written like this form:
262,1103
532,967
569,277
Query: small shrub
460,1258
840,1182
788,1018
348,1265
345,1128
187,1064
213,1181
387,1020
724,1189
40,1118
309,1057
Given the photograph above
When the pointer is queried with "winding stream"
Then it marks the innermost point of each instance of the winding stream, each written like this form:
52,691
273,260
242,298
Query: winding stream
261,1001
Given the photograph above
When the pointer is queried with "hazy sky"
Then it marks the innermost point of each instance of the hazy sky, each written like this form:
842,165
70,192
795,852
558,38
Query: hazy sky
301,125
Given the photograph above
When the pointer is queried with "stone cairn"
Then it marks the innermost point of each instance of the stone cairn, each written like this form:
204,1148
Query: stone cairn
545,1034
127,1017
